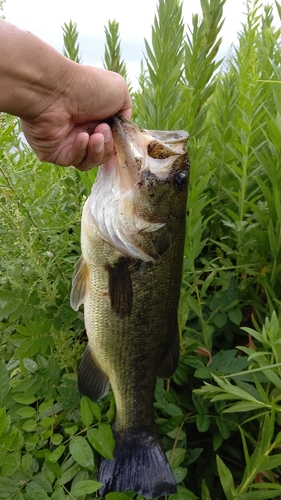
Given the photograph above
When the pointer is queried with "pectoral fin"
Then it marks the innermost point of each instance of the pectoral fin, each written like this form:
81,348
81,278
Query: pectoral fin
80,281
120,288
92,381
170,359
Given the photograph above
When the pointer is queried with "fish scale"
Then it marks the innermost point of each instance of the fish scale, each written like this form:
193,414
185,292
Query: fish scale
129,278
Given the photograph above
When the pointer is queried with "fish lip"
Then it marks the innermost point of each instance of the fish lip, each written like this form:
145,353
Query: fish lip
131,141
169,136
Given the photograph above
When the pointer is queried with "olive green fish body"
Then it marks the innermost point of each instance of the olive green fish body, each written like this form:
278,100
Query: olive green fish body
128,278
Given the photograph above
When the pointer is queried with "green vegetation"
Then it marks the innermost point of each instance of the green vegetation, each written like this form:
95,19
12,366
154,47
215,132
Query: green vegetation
219,417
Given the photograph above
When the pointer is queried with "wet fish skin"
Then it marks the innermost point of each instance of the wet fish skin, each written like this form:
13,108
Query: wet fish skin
129,278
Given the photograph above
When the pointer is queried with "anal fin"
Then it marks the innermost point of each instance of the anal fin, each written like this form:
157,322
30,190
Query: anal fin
92,381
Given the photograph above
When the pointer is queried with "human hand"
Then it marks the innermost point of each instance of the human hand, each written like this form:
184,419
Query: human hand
69,129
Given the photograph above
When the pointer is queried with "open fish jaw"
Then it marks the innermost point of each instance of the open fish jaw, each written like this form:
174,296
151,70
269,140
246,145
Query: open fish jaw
141,157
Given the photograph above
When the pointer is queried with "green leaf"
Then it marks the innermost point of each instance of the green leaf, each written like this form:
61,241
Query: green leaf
219,319
81,452
57,439
69,474
179,474
30,365
85,487
15,439
56,454
4,382
26,461
86,411
11,464
226,479
26,412
29,425
176,457
7,488
202,422
205,495
59,494
235,315
3,420
183,494
117,496
102,440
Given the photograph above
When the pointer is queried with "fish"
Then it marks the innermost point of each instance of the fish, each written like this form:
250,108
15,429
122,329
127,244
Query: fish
128,278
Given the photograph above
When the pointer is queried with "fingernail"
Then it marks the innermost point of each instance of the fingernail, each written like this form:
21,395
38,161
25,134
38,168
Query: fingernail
98,146
106,134
84,143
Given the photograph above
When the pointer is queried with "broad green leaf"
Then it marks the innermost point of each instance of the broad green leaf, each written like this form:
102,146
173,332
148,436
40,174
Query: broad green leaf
235,315
15,439
86,411
117,496
85,487
71,430
11,464
29,425
167,425
26,412
183,494
175,457
57,439
47,421
59,494
179,474
56,454
26,461
23,399
7,488
30,365
102,440
81,452
69,474
202,422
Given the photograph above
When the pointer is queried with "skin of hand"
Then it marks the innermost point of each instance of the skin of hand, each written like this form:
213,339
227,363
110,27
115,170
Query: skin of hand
62,105
70,130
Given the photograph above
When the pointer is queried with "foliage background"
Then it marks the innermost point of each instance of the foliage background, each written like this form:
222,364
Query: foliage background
219,416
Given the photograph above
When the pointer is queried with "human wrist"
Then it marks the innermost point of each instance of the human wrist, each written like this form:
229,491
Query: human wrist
32,74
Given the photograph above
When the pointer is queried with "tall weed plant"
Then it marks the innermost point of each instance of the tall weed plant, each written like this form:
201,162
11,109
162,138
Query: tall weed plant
219,416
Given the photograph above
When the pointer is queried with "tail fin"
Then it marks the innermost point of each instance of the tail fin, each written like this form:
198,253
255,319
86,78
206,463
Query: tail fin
138,465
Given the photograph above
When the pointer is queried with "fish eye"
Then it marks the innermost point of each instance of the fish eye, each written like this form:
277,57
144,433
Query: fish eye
180,181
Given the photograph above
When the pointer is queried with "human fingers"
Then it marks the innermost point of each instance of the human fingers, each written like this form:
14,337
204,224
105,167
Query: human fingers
100,146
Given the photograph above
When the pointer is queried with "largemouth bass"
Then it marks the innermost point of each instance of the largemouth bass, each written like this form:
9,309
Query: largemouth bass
128,277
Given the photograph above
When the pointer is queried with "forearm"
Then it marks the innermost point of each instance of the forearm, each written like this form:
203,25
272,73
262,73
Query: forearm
30,72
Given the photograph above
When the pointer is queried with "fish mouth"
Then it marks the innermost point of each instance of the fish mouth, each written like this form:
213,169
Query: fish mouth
143,161
137,147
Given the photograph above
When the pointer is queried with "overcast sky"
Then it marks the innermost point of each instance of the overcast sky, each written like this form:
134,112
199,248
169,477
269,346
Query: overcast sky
45,18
